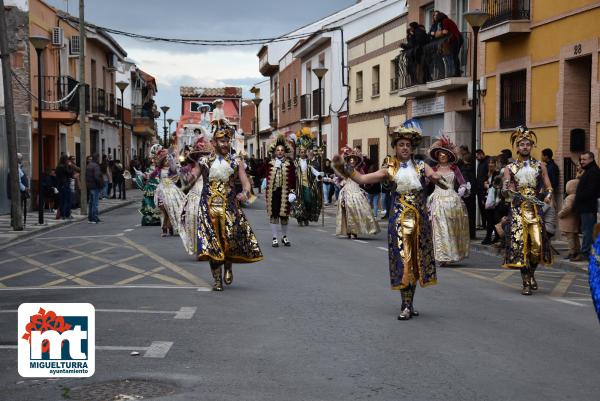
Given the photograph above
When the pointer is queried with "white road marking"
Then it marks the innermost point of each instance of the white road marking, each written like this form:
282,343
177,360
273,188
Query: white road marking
382,248
360,241
158,349
127,230
323,231
104,287
83,236
204,289
567,301
563,285
186,312
504,275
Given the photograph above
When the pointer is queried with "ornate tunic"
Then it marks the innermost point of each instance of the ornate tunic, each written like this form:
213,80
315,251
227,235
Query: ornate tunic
189,217
224,233
310,195
411,255
449,221
150,213
526,218
281,179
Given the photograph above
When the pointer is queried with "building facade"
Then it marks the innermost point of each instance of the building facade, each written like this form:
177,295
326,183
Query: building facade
541,69
374,105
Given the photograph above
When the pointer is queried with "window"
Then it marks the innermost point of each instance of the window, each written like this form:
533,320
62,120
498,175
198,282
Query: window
289,96
283,98
295,91
393,75
359,86
427,15
322,60
308,78
513,99
462,6
375,81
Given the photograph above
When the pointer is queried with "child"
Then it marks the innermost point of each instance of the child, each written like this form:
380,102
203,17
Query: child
569,221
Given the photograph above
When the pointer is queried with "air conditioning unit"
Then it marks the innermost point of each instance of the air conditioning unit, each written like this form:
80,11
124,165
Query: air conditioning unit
58,36
74,45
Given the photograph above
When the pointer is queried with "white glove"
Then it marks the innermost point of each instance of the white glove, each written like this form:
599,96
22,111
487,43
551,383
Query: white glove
292,198
461,191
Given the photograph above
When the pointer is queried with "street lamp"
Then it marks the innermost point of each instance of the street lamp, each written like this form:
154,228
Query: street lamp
320,73
256,102
122,85
40,43
476,19
164,110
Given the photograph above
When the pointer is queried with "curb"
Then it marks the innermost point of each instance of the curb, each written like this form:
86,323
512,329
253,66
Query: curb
564,265
63,223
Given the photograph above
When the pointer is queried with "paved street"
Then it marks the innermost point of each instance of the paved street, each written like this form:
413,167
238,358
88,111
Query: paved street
316,321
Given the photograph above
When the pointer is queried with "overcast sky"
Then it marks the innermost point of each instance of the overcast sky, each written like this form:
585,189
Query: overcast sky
177,65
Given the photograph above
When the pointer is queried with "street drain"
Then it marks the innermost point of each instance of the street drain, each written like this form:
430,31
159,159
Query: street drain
121,390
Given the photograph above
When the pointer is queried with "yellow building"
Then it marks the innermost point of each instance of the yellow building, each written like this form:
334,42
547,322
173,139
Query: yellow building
374,104
541,69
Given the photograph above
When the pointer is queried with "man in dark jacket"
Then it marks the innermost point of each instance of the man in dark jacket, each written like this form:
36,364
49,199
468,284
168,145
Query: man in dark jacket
553,171
93,181
586,202
482,176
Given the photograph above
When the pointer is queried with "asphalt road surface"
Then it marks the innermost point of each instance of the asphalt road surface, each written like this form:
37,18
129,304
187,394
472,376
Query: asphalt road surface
316,321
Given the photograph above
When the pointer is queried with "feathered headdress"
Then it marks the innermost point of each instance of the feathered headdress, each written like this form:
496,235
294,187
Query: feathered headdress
347,153
155,149
523,133
221,128
411,130
305,139
443,144
280,140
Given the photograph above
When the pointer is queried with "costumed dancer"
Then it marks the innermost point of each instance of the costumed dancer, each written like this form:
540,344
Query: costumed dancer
224,234
194,185
594,275
527,244
168,197
411,257
281,182
447,211
309,187
354,214
147,184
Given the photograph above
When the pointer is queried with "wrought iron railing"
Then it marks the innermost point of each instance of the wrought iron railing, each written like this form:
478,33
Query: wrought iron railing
305,107
439,59
359,93
375,89
506,10
393,84
317,102
55,88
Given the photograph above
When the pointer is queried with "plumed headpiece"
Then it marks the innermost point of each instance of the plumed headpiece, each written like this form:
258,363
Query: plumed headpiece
348,153
411,130
280,140
523,133
221,128
443,144
155,149
305,139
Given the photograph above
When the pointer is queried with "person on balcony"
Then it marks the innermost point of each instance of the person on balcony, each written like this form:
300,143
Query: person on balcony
453,41
416,39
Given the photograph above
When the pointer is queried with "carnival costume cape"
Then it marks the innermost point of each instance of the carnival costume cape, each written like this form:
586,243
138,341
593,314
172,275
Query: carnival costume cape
594,276
224,233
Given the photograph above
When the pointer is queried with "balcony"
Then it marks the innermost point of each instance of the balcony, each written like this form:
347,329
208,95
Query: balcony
55,88
393,84
272,117
289,104
424,71
264,67
375,89
142,119
317,102
305,107
359,94
507,19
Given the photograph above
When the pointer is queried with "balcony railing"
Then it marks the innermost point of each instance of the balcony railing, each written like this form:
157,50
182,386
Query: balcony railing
138,111
393,84
295,100
317,102
305,107
359,93
289,103
58,87
506,10
375,89
434,61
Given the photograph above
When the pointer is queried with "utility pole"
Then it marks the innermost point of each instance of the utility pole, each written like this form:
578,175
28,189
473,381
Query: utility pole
82,127
16,214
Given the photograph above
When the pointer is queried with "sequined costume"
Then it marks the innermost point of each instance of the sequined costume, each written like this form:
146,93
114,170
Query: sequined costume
309,193
411,254
594,276
188,226
527,244
281,179
224,233
449,222
168,198
150,213
354,213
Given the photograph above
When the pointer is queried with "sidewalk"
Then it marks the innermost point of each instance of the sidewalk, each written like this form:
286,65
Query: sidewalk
7,235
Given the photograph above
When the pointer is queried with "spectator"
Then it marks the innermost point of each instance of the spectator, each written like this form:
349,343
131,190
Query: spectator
552,167
508,155
468,172
491,200
74,181
94,184
586,202
23,186
569,221
64,175
483,176
328,182
453,41
118,179
416,39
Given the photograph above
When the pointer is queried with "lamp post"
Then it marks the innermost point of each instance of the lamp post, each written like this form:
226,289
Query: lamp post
40,43
170,121
122,85
476,19
256,102
320,73
164,110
